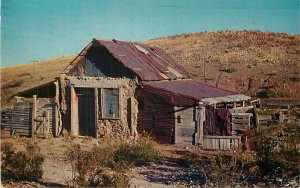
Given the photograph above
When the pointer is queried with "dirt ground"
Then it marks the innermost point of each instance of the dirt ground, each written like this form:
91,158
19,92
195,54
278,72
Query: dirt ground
58,171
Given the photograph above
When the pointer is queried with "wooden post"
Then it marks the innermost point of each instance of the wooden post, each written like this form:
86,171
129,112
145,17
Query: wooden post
33,116
48,123
96,112
201,122
56,117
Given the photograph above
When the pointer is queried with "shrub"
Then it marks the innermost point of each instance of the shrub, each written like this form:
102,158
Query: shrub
227,168
22,165
228,69
107,163
24,74
12,84
295,78
277,150
139,153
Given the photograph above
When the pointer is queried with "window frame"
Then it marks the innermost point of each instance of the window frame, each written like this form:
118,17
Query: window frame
101,99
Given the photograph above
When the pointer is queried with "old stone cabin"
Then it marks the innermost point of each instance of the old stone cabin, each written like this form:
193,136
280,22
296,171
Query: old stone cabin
124,88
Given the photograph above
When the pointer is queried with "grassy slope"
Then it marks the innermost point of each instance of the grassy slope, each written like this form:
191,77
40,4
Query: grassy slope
260,60
20,78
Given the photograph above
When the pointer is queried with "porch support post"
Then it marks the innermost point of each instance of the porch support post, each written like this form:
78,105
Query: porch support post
201,122
74,113
56,110
96,112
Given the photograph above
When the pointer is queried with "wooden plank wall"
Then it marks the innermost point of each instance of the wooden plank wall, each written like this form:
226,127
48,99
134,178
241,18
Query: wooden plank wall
156,118
221,142
18,120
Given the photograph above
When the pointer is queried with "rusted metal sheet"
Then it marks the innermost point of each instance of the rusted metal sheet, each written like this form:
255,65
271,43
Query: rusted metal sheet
147,62
183,92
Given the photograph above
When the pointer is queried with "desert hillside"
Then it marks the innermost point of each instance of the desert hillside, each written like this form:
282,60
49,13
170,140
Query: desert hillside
254,63
19,78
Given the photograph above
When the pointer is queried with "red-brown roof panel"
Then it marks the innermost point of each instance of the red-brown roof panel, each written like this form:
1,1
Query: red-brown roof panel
149,63
184,89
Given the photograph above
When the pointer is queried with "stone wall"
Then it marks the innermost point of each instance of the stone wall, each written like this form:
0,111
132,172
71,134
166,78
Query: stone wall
121,127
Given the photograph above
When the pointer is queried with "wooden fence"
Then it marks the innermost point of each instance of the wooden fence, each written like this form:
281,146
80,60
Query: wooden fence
221,142
27,119
17,120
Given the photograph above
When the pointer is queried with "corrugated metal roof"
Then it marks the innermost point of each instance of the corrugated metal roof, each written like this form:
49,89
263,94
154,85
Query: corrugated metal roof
229,98
190,92
189,88
149,63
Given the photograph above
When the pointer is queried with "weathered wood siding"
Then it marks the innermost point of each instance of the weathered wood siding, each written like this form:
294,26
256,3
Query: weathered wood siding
156,118
100,63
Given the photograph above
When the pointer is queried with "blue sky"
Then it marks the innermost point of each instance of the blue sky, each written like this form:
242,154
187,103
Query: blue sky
34,30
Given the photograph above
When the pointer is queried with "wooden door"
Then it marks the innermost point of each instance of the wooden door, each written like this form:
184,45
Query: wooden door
185,126
86,111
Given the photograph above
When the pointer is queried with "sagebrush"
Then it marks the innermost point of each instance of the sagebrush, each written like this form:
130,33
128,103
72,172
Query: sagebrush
22,165
107,163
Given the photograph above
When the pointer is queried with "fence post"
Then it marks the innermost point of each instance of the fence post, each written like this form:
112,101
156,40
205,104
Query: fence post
33,117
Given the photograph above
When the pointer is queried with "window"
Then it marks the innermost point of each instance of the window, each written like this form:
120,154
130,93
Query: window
109,103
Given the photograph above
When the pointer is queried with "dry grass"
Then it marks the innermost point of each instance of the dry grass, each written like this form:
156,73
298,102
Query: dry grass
30,75
254,56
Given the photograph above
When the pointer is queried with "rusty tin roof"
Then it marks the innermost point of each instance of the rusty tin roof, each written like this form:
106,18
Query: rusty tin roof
184,92
148,62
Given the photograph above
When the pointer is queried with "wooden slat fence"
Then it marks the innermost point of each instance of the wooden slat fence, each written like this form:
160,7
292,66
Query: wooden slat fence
18,120
221,142
240,121
27,119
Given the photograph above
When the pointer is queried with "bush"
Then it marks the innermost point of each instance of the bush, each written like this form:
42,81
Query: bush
227,168
139,153
22,165
295,78
12,84
278,150
107,163
228,69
